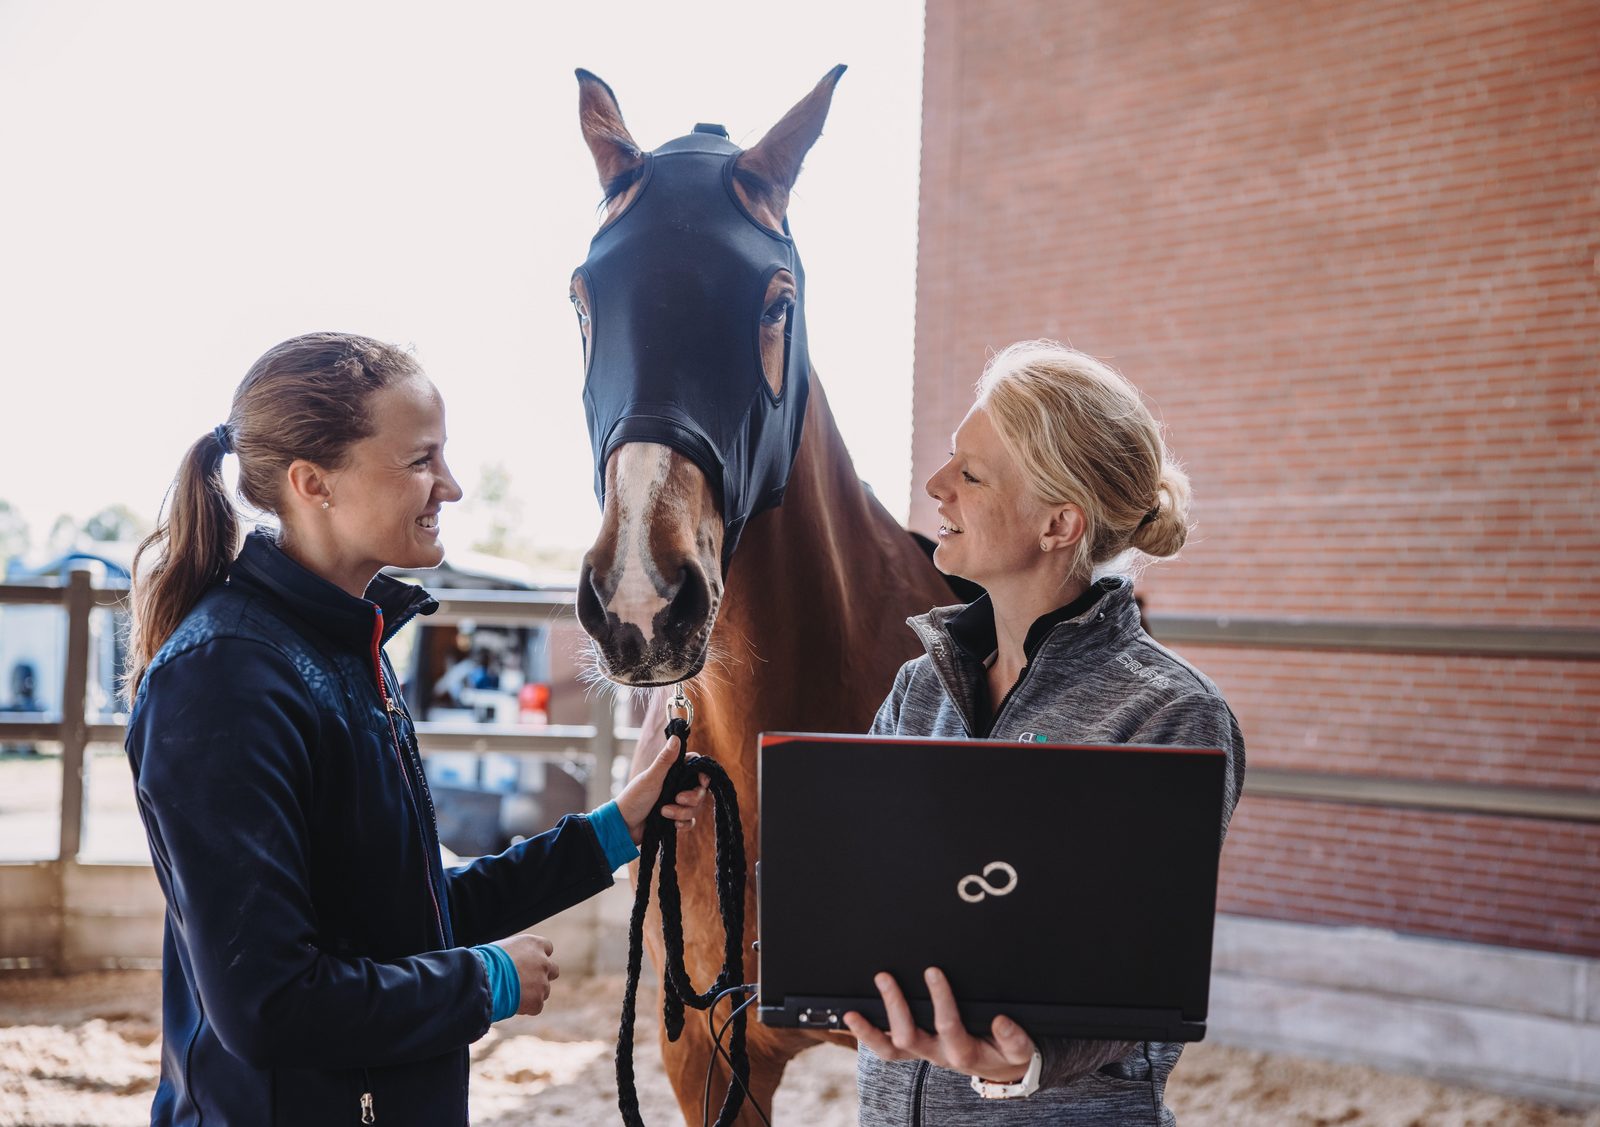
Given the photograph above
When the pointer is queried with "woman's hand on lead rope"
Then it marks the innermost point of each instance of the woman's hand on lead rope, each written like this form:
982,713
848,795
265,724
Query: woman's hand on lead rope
1002,1057
639,796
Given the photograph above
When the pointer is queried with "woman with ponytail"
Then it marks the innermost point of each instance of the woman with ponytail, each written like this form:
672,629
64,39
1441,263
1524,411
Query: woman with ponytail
1058,483
321,966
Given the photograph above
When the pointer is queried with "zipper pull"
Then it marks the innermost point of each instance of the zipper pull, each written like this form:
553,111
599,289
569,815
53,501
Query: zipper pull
367,1115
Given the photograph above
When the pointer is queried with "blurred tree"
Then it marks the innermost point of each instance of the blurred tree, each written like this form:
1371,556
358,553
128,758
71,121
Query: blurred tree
14,538
115,522
500,511
63,534
499,519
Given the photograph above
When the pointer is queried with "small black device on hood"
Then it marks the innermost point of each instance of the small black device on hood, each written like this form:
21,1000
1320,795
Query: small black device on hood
676,288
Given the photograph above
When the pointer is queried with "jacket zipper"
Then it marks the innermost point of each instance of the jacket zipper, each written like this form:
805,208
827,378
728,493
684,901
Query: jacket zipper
994,721
188,1069
916,1093
941,658
399,758
368,1115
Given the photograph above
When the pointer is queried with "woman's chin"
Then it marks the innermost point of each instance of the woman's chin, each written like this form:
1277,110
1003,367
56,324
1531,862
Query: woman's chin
422,556
948,562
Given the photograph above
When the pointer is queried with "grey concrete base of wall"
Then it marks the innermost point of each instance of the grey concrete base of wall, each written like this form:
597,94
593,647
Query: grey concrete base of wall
1521,1022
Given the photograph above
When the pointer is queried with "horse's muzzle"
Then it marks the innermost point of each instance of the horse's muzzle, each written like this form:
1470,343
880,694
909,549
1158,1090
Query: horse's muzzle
673,650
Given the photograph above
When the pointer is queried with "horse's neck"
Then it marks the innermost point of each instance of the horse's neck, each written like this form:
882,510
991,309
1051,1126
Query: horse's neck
811,627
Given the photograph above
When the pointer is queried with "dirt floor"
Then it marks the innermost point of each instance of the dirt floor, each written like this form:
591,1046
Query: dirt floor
83,1051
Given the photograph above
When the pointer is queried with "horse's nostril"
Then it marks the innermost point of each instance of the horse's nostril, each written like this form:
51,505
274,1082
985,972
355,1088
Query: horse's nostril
691,603
591,608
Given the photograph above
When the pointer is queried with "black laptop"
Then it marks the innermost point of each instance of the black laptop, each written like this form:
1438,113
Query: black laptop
1071,888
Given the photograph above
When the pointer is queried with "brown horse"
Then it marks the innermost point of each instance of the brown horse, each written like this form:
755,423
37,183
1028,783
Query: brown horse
803,626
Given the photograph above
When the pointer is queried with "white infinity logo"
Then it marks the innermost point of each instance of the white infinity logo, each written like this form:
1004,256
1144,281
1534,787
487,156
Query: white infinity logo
973,888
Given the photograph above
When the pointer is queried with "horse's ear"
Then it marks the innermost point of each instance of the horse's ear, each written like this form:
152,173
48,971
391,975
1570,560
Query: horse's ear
775,159
600,118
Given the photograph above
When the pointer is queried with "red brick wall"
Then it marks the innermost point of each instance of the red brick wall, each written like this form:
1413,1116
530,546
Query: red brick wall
1513,881
1351,251
1523,722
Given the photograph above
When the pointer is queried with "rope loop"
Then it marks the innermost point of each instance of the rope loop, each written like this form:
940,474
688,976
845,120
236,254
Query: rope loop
677,991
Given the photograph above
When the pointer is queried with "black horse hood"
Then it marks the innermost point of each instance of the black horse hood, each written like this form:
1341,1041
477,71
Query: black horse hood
676,290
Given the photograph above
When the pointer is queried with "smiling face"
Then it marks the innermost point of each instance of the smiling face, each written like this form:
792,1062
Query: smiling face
384,502
990,523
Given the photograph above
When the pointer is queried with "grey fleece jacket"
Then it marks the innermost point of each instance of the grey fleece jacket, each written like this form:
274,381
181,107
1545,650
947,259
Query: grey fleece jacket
1092,676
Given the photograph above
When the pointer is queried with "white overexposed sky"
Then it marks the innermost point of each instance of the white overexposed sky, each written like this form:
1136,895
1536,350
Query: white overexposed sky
183,185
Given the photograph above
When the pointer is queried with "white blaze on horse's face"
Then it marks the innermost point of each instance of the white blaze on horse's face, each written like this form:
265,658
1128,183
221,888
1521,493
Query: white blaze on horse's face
637,598
651,583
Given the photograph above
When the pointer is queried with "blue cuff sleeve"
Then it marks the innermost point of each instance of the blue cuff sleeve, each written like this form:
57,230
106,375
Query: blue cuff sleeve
505,988
614,837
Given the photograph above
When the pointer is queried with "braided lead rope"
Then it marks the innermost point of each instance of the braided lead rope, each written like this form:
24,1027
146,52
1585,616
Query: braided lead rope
676,988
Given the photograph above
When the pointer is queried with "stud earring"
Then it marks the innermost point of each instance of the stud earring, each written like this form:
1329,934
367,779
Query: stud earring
326,505
1044,545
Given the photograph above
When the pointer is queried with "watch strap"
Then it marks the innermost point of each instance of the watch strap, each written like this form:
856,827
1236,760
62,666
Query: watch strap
1027,1086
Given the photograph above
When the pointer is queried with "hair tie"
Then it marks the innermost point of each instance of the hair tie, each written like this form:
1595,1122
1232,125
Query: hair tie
1155,511
224,437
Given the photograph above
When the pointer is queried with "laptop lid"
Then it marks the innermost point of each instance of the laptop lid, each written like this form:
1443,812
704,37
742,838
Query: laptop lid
1069,887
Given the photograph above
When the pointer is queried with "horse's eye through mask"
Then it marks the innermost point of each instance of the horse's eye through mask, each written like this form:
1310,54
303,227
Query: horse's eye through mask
677,285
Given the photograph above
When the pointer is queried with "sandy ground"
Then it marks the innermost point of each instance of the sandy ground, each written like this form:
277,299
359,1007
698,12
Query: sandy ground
83,1051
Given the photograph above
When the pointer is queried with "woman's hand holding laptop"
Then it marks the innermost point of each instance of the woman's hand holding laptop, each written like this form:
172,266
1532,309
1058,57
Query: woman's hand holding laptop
1004,1056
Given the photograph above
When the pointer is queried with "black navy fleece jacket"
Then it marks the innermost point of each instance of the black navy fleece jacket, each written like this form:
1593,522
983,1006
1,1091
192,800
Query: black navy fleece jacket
316,949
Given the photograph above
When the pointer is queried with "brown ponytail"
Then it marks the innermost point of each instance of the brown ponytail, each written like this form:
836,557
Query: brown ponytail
190,550
306,398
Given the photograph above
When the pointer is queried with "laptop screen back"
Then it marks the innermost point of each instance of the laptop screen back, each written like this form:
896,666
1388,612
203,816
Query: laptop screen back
1035,875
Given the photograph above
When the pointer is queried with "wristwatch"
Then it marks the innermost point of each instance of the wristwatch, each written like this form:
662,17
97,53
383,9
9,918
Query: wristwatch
1027,1086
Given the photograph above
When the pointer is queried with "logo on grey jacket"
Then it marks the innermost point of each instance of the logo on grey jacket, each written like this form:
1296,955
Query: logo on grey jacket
973,888
1153,677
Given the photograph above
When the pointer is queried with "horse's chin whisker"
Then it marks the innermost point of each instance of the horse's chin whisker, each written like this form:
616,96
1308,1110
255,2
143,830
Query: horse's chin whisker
591,672
591,675
716,670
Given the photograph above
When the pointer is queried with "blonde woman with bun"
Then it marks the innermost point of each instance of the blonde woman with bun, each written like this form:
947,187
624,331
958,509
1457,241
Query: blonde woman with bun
1059,485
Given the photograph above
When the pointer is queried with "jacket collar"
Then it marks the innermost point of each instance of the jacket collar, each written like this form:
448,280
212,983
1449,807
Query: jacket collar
263,567
973,628
960,638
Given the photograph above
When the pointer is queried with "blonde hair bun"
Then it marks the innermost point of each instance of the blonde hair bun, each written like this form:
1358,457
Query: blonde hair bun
1164,536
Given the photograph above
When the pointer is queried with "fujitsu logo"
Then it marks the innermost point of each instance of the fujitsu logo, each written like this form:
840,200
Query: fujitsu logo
973,888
